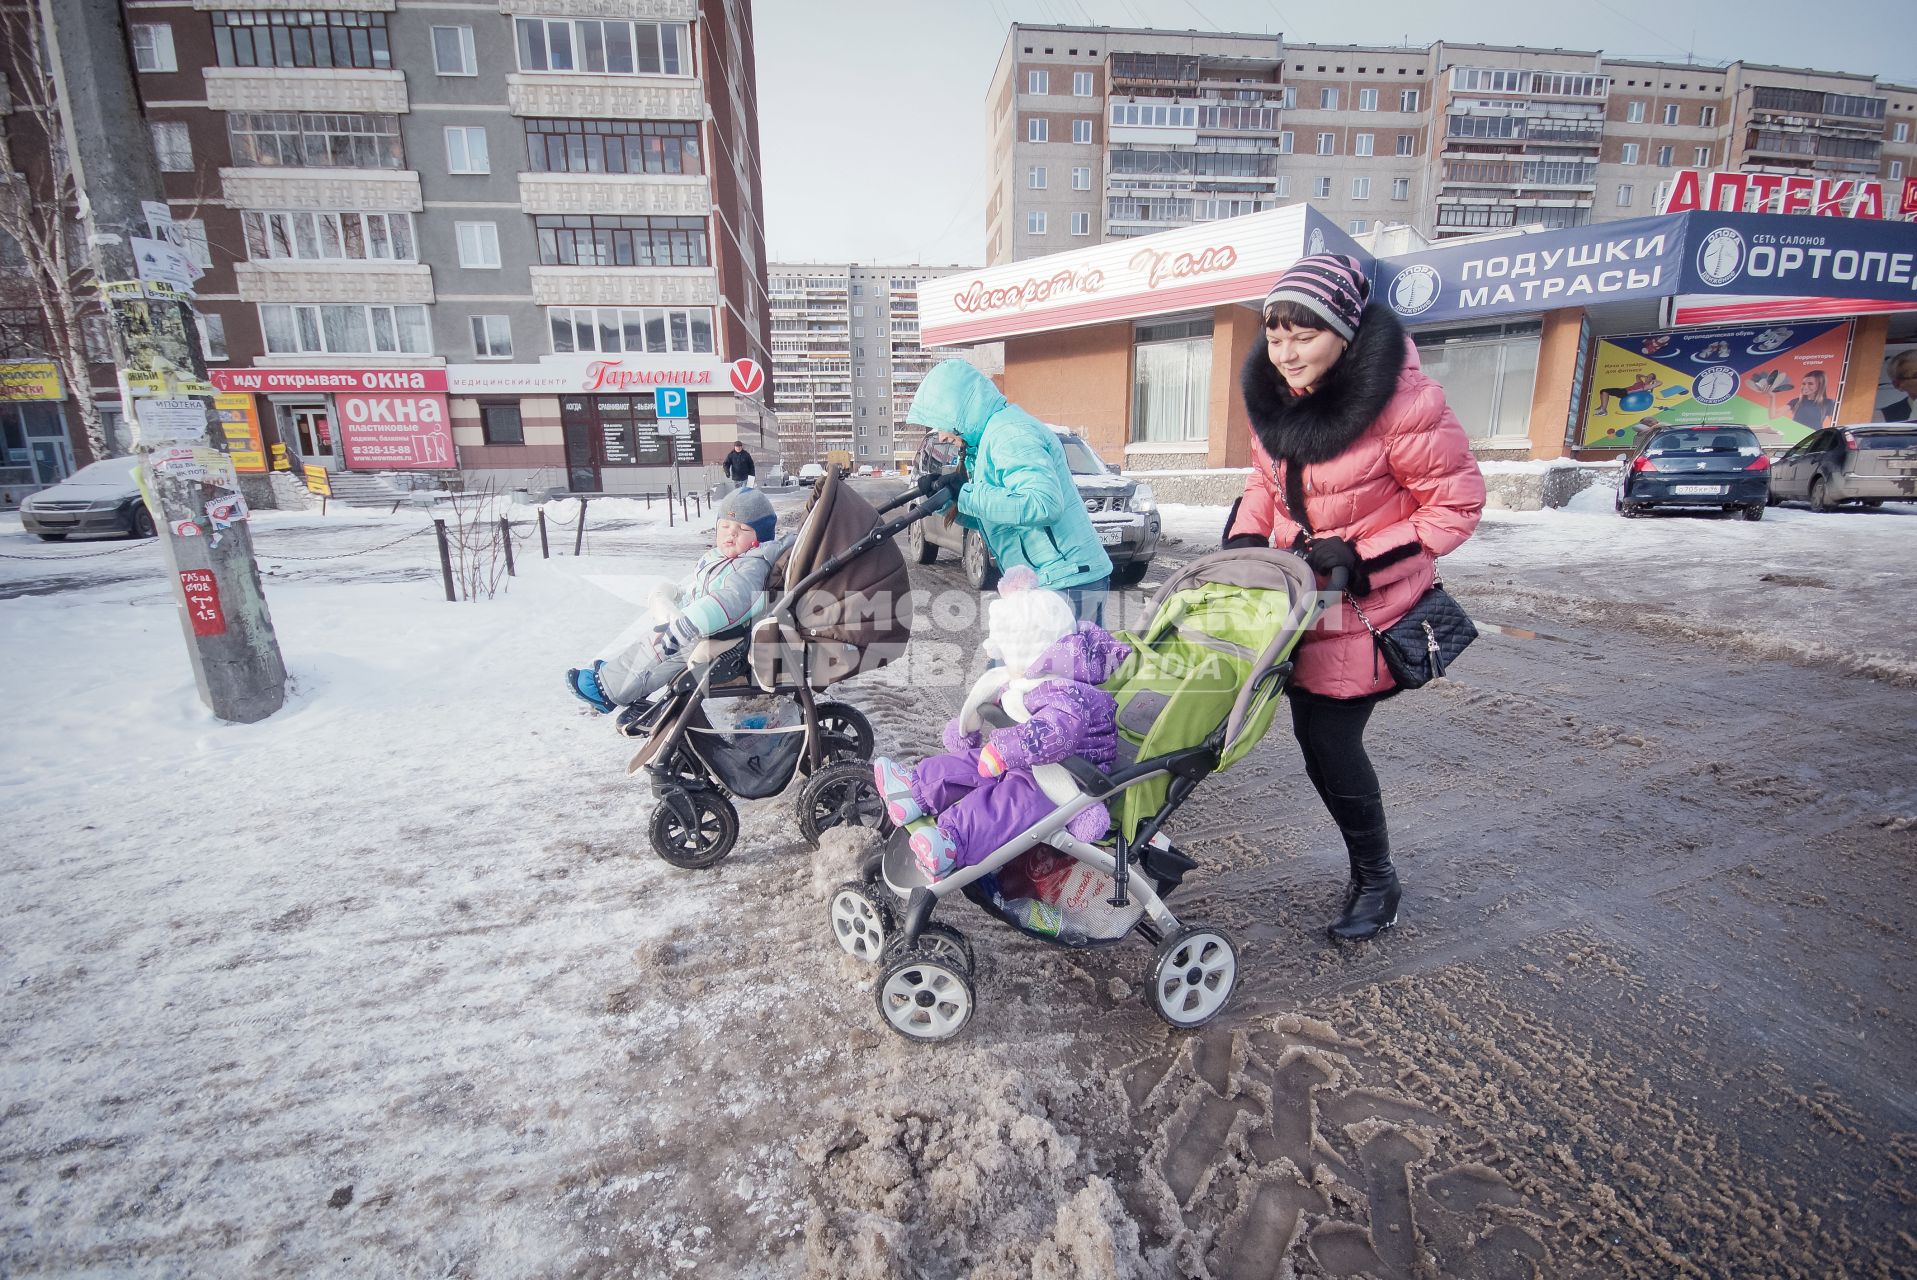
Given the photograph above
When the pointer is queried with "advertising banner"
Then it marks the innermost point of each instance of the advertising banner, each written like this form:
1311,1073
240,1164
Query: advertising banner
1783,382
394,432
30,380
1772,255
1896,398
1578,266
241,422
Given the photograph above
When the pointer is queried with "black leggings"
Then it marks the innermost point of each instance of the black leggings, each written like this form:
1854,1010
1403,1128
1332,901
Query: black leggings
1331,734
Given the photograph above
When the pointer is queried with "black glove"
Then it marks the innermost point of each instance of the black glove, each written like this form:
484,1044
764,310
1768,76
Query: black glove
1246,540
1326,555
930,482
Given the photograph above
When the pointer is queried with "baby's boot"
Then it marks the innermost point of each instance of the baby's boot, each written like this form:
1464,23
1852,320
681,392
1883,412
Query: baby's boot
895,785
586,687
934,851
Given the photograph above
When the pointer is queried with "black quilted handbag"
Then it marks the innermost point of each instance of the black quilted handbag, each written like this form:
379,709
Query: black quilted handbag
1421,646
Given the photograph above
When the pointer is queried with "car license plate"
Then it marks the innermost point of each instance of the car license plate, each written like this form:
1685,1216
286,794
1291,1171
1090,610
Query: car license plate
1695,490
1110,535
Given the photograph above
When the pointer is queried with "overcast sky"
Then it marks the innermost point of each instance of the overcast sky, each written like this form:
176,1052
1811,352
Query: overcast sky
872,112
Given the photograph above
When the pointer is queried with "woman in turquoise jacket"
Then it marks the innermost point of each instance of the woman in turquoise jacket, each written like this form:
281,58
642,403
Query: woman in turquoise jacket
1018,491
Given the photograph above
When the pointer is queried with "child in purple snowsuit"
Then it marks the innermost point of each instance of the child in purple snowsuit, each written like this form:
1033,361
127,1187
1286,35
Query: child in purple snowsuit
982,790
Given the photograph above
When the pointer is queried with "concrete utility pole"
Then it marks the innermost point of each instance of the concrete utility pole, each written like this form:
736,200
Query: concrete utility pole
188,480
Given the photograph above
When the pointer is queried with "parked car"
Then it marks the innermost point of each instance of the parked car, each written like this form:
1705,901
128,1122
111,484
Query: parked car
98,498
867,469
811,473
1124,512
1869,465
1718,467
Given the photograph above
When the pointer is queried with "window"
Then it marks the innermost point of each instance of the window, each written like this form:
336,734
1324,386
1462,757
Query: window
493,340
1407,144
1701,157
1630,154
1707,116
1081,179
466,150
1081,84
1361,144
314,140
1357,226
1900,132
1634,112
212,334
1624,193
609,240
328,237
300,330
1327,99
301,38
1367,99
1361,188
649,330
1285,143
153,47
597,46
172,145
1171,380
1283,188
1401,188
1036,180
1038,82
1035,222
1081,131
1664,157
1081,224
1147,115
1327,144
613,146
1494,372
478,244
499,423
1038,129
193,231
1407,99
1670,113
1321,188
453,51
1896,170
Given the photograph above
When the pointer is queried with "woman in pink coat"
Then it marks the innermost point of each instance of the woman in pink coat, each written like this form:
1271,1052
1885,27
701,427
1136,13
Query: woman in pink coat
1357,464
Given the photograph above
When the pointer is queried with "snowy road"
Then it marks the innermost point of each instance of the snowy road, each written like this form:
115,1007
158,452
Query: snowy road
390,985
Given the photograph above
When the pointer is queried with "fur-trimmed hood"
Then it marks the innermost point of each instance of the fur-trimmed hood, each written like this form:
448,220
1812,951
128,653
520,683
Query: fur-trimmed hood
1318,427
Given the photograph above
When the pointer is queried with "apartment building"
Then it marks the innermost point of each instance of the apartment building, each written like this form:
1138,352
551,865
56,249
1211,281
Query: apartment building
846,359
1100,133
518,223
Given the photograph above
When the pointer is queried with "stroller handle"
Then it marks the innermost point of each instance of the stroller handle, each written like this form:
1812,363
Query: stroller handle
1338,580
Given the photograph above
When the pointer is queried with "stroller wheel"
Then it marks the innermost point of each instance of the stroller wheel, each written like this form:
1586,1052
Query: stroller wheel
925,998
845,733
941,942
841,795
1192,976
693,829
861,923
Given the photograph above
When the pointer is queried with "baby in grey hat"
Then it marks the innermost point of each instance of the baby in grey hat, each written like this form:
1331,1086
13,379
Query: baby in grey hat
727,588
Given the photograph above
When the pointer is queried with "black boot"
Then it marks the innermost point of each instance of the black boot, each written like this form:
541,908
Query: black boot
1371,899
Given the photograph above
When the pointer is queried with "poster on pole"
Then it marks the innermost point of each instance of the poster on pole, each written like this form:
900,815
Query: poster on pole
1782,381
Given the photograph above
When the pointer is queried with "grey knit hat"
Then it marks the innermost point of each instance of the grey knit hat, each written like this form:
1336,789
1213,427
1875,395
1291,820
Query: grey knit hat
751,508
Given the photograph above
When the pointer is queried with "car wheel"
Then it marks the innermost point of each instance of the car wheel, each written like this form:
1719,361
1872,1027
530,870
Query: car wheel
1131,573
1820,496
1872,503
977,559
1630,510
140,524
1754,512
924,550
53,537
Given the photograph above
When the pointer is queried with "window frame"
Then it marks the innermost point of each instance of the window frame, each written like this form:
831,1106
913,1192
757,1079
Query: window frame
178,145
486,436
605,321
578,46
1401,188
1367,99
1086,79
1081,218
484,235
1327,144
613,241
1035,222
483,336
1038,129
1036,178
1327,98
468,51
1081,132
421,326
240,43
1038,82
466,132
1081,178
1364,144
158,47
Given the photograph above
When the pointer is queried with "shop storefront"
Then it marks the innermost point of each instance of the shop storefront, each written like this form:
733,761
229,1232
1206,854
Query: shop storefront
35,451
341,419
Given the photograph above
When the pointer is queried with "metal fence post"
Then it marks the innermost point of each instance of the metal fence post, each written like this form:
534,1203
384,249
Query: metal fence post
506,538
579,539
545,552
445,556
668,506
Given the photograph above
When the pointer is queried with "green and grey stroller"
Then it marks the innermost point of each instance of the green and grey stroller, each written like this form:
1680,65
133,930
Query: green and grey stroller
1197,695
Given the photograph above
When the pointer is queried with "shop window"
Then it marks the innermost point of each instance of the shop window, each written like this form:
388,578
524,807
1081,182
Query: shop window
1488,376
500,424
1171,381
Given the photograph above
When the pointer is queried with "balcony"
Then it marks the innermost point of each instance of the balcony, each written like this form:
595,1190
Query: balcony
338,190
370,282
651,11
615,193
590,97
624,286
305,89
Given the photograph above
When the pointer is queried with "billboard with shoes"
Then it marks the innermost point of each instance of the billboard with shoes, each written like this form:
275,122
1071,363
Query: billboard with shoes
1783,381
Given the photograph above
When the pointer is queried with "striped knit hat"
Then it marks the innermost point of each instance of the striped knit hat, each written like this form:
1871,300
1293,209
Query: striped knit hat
1329,285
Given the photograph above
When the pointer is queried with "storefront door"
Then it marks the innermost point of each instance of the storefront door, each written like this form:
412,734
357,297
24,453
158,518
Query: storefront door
309,430
582,444
51,462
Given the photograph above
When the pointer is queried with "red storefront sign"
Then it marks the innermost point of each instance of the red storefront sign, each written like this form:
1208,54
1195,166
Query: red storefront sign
1736,192
203,602
1908,205
388,419
747,376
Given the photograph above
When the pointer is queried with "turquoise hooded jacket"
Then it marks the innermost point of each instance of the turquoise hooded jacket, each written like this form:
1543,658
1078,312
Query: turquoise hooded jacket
1018,492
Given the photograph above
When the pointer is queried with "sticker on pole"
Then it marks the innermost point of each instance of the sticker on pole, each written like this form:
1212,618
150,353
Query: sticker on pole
747,377
185,529
203,602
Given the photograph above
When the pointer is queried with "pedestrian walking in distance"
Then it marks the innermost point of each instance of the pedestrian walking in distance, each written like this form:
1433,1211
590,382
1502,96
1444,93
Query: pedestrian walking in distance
739,466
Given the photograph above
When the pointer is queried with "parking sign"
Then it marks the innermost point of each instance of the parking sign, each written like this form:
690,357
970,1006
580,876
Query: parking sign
670,402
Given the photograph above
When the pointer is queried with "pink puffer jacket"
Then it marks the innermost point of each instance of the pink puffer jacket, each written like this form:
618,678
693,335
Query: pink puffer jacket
1382,462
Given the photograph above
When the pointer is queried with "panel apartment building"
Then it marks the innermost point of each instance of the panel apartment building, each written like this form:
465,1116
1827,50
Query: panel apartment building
846,359
1099,133
543,210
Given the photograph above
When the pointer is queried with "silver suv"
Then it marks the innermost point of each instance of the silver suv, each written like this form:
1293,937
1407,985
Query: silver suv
1124,512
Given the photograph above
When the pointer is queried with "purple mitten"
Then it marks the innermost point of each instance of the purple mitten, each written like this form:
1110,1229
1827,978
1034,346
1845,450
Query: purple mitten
958,743
1090,825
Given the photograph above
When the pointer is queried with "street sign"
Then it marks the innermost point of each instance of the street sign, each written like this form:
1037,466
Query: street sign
671,402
